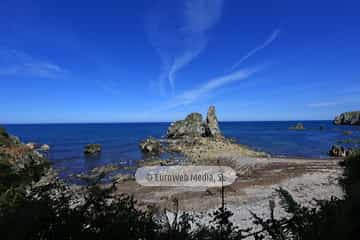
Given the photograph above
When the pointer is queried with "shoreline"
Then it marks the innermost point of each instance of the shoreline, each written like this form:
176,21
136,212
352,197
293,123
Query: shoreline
258,175
306,179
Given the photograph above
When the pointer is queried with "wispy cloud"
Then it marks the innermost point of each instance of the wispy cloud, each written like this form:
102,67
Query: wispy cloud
192,95
18,63
323,104
267,42
179,34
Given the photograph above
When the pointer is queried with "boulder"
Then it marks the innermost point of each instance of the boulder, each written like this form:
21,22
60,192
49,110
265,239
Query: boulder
212,126
299,126
92,149
339,151
150,146
105,169
31,145
348,118
44,148
191,126
347,132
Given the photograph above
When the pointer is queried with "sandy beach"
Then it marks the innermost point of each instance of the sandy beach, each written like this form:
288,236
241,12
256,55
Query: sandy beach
305,179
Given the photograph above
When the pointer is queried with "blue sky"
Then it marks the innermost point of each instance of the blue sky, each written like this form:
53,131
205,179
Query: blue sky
140,61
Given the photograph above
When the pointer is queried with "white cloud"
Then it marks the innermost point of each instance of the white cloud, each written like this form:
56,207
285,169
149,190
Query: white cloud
192,95
267,42
179,34
18,63
322,104
201,15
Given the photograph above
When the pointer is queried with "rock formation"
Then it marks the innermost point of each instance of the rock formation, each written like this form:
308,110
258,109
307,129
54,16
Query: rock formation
212,126
193,126
150,146
348,118
18,160
31,145
339,151
299,126
44,148
4,137
92,149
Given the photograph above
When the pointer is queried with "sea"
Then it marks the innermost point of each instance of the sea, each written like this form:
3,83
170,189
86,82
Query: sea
120,141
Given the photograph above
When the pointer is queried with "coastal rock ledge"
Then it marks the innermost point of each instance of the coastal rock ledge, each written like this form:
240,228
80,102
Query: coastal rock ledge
193,126
348,118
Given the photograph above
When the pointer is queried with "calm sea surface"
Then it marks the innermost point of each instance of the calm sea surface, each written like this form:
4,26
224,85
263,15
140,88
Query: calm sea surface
120,140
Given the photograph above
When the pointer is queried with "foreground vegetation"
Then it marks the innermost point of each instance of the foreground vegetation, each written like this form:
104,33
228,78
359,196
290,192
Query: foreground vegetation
48,211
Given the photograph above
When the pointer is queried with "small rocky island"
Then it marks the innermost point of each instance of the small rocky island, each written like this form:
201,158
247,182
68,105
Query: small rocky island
193,126
92,149
348,118
298,126
198,140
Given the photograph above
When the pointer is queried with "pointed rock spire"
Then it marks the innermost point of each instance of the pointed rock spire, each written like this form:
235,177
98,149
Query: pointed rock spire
212,125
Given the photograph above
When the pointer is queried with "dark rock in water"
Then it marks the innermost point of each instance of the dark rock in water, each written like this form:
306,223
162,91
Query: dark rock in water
105,169
151,146
347,132
348,118
92,149
212,126
299,126
191,126
97,173
339,151
349,141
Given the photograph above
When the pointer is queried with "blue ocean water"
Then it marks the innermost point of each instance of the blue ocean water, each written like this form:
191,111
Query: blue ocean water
120,140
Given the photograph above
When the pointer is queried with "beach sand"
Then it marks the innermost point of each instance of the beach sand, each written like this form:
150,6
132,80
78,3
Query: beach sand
305,179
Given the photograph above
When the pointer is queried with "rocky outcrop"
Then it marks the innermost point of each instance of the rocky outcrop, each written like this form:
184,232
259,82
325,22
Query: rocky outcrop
348,118
150,146
200,141
205,149
212,126
44,148
299,126
193,126
92,149
339,151
97,173
31,145
18,161
5,139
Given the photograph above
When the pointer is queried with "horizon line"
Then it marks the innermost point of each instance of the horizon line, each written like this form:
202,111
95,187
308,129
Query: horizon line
127,122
